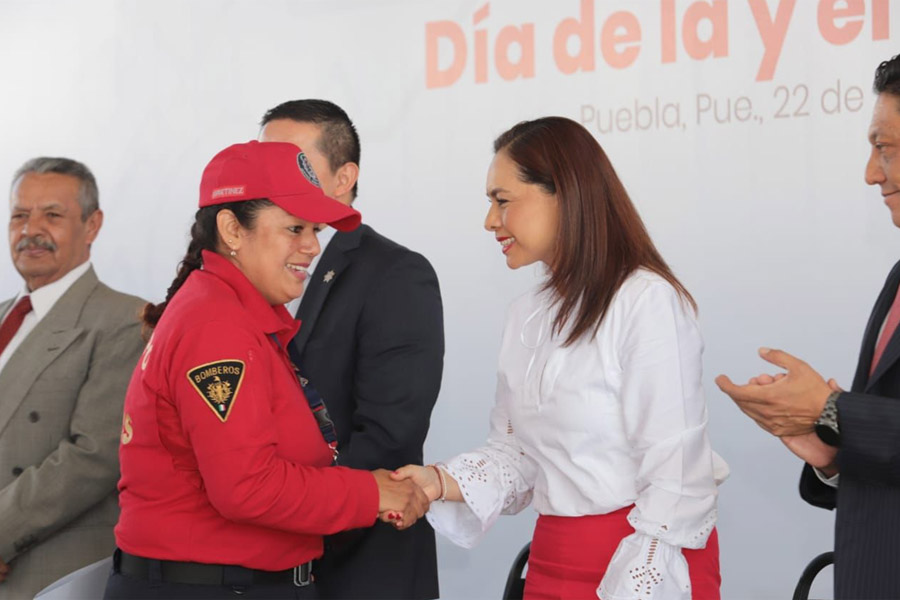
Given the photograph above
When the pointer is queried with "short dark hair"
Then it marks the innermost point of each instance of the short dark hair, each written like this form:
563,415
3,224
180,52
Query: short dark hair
887,77
339,141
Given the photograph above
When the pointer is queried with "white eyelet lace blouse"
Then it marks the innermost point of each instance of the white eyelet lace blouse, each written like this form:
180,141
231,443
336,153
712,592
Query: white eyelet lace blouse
607,422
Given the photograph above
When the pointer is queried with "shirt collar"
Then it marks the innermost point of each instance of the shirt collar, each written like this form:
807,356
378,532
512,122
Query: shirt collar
43,298
271,319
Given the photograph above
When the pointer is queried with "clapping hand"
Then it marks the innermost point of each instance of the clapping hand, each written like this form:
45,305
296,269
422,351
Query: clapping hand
786,404
810,447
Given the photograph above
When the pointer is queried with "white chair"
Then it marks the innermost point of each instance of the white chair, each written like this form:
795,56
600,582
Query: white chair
86,583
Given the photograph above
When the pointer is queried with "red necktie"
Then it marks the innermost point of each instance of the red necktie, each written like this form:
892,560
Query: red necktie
890,325
13,321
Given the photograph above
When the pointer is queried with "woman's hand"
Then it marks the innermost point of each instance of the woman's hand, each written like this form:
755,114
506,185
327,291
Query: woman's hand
400,502
424,477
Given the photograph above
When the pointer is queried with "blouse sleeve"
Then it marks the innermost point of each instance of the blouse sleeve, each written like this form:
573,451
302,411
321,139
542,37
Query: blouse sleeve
495,479
665,420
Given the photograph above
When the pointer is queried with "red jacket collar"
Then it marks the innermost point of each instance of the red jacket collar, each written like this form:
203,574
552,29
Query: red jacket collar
270,319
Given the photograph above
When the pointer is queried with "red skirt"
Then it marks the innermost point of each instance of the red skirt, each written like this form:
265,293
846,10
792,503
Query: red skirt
569,556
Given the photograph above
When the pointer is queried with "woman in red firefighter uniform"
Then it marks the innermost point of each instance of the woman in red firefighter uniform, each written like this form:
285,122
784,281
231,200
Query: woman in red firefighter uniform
227,486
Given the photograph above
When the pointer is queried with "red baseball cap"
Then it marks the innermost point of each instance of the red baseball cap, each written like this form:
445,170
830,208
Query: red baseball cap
277,171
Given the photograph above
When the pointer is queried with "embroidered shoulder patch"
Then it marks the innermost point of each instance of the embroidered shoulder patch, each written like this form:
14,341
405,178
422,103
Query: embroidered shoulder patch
218,383
307,170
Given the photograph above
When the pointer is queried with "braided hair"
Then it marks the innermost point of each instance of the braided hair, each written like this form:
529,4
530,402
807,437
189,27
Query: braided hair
204,236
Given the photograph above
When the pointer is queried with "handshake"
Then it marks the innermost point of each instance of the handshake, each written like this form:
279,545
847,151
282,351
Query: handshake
404,495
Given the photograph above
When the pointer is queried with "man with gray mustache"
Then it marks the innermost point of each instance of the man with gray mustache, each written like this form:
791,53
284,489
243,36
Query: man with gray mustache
68,345
35,243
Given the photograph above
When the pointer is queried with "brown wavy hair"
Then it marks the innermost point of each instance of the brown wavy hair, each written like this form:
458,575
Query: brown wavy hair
601,238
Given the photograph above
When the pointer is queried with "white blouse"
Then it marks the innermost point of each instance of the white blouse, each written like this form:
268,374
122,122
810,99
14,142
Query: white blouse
605,423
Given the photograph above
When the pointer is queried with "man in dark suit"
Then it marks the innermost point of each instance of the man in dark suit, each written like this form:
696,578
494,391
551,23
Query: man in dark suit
850,440
372,344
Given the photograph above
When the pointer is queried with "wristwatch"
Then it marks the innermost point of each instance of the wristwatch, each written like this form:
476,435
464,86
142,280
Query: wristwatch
827,424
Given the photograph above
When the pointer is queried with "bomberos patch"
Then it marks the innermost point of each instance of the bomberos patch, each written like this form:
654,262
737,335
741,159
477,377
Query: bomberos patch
218,383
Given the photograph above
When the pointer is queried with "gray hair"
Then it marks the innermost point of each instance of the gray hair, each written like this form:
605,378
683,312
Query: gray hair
88,195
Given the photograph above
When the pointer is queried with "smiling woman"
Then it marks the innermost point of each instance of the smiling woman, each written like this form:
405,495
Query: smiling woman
275,253
523,217
227,479
599,417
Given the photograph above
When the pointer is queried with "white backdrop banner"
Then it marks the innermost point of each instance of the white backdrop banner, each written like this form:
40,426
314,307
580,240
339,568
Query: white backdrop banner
738,126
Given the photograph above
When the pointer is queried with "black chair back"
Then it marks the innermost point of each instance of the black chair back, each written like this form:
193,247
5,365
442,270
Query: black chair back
515,583
801,592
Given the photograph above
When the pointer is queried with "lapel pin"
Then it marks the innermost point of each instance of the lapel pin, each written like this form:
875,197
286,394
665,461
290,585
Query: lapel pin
329,276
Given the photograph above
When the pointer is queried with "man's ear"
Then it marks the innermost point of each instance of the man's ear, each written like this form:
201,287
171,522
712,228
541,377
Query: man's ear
93,224
345,178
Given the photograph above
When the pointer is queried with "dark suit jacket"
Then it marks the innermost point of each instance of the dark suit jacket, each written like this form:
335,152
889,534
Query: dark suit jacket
372,343
867,524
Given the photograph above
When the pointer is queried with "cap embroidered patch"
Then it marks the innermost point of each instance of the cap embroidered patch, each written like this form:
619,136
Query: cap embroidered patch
218,384
307,170
224,192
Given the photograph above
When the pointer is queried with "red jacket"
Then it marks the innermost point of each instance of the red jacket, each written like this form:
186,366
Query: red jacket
222,461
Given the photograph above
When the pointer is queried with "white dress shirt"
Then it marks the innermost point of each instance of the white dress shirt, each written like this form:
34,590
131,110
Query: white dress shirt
602,424
42,300
832,481
325,237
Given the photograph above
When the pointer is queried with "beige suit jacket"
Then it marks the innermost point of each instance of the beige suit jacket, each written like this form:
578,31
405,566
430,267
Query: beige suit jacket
61,398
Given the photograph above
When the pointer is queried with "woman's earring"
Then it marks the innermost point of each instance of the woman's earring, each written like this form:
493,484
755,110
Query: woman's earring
233,253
